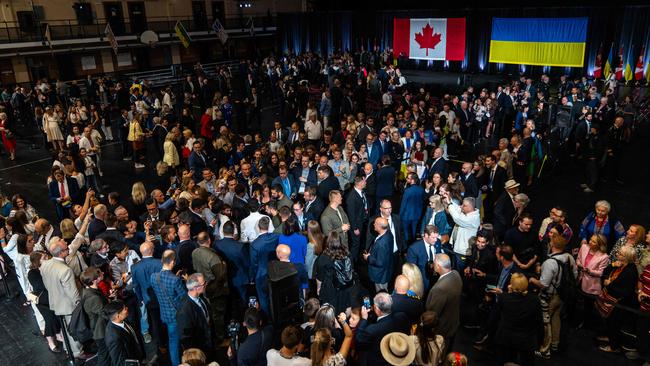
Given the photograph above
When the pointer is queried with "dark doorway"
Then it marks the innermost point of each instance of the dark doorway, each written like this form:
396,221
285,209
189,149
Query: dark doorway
66,68
199,16
137,17
115,17
218,11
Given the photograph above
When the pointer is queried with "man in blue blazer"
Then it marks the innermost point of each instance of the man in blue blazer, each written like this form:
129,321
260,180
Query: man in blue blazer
373,147
384,181
287,181
141,275
410,210
380,256
423,252
63,191
304,175
197,161
262,251
368,337
235,255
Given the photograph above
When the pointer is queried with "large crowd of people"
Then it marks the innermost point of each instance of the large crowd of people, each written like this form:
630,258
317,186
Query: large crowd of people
401,217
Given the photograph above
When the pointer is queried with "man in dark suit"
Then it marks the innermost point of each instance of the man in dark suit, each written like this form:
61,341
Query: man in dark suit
63,191
374,149
197,161
193,217
371,185
184,250
444,299
469,180
493,185
193,317
385,181
504,213
262,251
141,275
357,210
422,253
93,304
121,339
379,258
398,246
314,205
328,183
156,215
410,210
368,336
438,164
237,258
111,234
281,133
97,225
410,305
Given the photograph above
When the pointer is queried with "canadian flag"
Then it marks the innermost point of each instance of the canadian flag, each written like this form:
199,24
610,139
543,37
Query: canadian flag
638,70
429,39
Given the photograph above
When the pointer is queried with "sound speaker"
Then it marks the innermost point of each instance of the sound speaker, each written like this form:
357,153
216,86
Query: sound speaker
284,294
26,21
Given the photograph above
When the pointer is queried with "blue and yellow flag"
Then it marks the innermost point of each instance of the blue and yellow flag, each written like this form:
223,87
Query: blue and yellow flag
607,70
182,34
539,41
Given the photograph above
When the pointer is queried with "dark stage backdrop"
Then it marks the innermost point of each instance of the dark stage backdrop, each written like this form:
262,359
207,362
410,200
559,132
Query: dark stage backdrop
326,32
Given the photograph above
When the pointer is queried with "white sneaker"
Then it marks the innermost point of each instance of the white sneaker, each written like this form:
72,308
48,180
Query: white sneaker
588,190
139,166
127,158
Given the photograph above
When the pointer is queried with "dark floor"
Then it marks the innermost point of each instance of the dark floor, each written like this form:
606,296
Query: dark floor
29,172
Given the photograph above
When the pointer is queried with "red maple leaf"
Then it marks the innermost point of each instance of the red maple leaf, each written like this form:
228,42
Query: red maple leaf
427,39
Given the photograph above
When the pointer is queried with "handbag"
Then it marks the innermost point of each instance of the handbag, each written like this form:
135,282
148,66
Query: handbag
605,304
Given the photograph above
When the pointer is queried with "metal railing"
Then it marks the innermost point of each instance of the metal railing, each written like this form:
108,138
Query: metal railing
11,32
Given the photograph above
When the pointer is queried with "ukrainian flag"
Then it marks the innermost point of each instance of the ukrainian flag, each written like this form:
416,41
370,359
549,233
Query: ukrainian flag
539,41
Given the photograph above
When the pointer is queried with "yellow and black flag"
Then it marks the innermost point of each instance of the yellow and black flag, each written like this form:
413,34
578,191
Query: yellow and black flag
182,34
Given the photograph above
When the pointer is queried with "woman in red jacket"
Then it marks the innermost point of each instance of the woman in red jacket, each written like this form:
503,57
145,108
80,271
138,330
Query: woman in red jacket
207,128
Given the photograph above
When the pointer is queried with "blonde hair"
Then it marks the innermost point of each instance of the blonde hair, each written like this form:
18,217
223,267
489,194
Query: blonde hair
519,283
169,136
193,356
640,233
602,242
161,168
68,230
322,342
412,272
138,193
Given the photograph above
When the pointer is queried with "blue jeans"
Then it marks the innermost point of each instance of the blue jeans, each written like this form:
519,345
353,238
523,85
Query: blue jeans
174,343
144,320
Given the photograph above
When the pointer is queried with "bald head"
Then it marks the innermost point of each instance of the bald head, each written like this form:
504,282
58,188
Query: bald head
381,225
41,226
402,285
184,232
146,249
283,252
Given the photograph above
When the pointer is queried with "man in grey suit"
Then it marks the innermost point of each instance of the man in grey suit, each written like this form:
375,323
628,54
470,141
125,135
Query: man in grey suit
444,299
61,286
334,217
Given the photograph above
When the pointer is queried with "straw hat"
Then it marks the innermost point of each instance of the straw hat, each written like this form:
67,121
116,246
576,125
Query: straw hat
511,184
398,349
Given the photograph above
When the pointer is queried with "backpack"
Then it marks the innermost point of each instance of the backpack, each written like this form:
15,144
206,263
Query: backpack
343,273
567,287
79,326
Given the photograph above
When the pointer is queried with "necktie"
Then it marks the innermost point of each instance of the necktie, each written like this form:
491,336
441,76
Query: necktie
42,242
92,144
492,176
130,331
62,189
430,253
365,202
204,308
279,133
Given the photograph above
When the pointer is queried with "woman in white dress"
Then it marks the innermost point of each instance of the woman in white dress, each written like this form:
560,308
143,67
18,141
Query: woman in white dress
52,129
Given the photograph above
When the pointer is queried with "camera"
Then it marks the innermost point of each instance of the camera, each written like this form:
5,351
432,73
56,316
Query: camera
366,302
252,302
